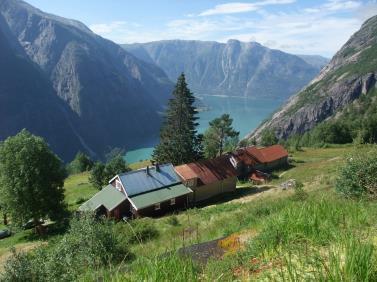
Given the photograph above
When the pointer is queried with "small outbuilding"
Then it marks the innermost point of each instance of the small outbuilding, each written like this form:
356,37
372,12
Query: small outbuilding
250,159
208,178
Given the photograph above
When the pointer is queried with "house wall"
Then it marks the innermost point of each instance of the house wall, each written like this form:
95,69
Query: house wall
120,211
272,165
180,203
208,191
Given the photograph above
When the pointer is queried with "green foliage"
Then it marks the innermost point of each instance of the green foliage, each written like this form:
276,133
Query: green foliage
220,136
357,123
167,268
136,232
98,176
179,141
300,194
102,173
172,220
80,163
89,244
358,176
268,138
31,179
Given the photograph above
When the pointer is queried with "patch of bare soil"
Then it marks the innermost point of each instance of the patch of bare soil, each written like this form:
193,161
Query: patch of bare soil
216,249
24,247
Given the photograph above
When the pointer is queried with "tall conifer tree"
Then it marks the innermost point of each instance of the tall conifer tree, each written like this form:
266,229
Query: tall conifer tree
179,141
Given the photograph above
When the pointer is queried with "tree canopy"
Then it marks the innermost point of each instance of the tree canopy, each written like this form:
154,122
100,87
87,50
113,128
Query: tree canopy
268,138
179,141
102,173
31,179
220,135
80,163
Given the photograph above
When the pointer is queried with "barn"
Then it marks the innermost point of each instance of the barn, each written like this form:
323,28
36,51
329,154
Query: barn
208,178
254,162
150,191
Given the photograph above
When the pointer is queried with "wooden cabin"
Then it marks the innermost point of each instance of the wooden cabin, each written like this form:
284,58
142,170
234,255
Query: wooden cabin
208,178
150,191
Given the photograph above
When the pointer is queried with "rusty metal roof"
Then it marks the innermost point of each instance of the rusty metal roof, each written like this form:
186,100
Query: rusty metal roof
208,171
253,155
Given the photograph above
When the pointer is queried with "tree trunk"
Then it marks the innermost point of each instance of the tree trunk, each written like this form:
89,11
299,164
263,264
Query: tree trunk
5,219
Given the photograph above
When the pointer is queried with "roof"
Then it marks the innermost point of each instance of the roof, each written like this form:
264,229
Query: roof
253,155
139,181
109,197
158,196
208,171
273,153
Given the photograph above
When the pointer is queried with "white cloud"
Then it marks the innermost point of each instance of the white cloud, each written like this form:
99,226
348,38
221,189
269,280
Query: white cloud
232,8
109,28
318,29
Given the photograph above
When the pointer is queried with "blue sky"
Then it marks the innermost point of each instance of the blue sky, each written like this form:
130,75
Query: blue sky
295,26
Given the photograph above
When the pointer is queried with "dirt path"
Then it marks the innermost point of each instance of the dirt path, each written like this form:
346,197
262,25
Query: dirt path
24,247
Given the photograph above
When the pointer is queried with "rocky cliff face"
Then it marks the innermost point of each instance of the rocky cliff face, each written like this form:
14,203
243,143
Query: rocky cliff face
116,97
233,69
352,72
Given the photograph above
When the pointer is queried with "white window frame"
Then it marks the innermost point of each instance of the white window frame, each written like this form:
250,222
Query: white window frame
172,201
157,206
118,185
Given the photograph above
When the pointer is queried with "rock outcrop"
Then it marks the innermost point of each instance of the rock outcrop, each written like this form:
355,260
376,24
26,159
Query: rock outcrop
352,72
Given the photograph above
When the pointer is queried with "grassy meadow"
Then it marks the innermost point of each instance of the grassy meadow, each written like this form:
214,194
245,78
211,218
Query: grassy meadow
266,233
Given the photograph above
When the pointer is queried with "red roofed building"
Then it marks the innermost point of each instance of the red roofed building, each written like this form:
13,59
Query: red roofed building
266,159
208,178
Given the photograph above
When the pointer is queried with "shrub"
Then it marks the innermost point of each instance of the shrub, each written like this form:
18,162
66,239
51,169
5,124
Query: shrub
358,176
89,244
173,220
137,231
300,194
80,163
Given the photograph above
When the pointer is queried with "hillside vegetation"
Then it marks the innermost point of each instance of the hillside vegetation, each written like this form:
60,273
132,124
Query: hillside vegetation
267,233
348,79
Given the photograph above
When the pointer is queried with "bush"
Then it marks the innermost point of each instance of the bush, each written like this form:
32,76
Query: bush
136,231
358,176
172,220
89,244
80,163
268,138
300,194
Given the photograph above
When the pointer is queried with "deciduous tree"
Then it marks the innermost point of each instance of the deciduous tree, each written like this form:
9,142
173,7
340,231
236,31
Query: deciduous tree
31,179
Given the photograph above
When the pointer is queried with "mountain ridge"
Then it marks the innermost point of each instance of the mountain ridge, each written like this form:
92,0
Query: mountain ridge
234,68
351,73
117,98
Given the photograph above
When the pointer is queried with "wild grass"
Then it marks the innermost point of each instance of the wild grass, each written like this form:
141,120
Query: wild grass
319,237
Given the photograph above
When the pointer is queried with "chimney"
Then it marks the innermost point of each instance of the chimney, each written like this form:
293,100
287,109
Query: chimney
157,167
147,170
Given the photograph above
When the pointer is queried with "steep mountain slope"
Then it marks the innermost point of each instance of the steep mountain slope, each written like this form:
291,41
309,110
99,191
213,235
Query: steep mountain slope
234,68
27,100
351,73
117,97
315,60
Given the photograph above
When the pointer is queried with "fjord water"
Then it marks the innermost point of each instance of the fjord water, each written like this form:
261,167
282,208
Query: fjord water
247,114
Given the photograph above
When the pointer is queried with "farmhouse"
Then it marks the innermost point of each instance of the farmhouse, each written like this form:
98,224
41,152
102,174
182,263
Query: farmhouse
254,162
208,178
145,192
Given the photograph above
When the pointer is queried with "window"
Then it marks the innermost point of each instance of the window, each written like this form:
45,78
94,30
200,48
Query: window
118,185
157,207
172,201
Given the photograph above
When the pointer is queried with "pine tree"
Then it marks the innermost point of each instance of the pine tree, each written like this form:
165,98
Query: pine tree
219,135
179,141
